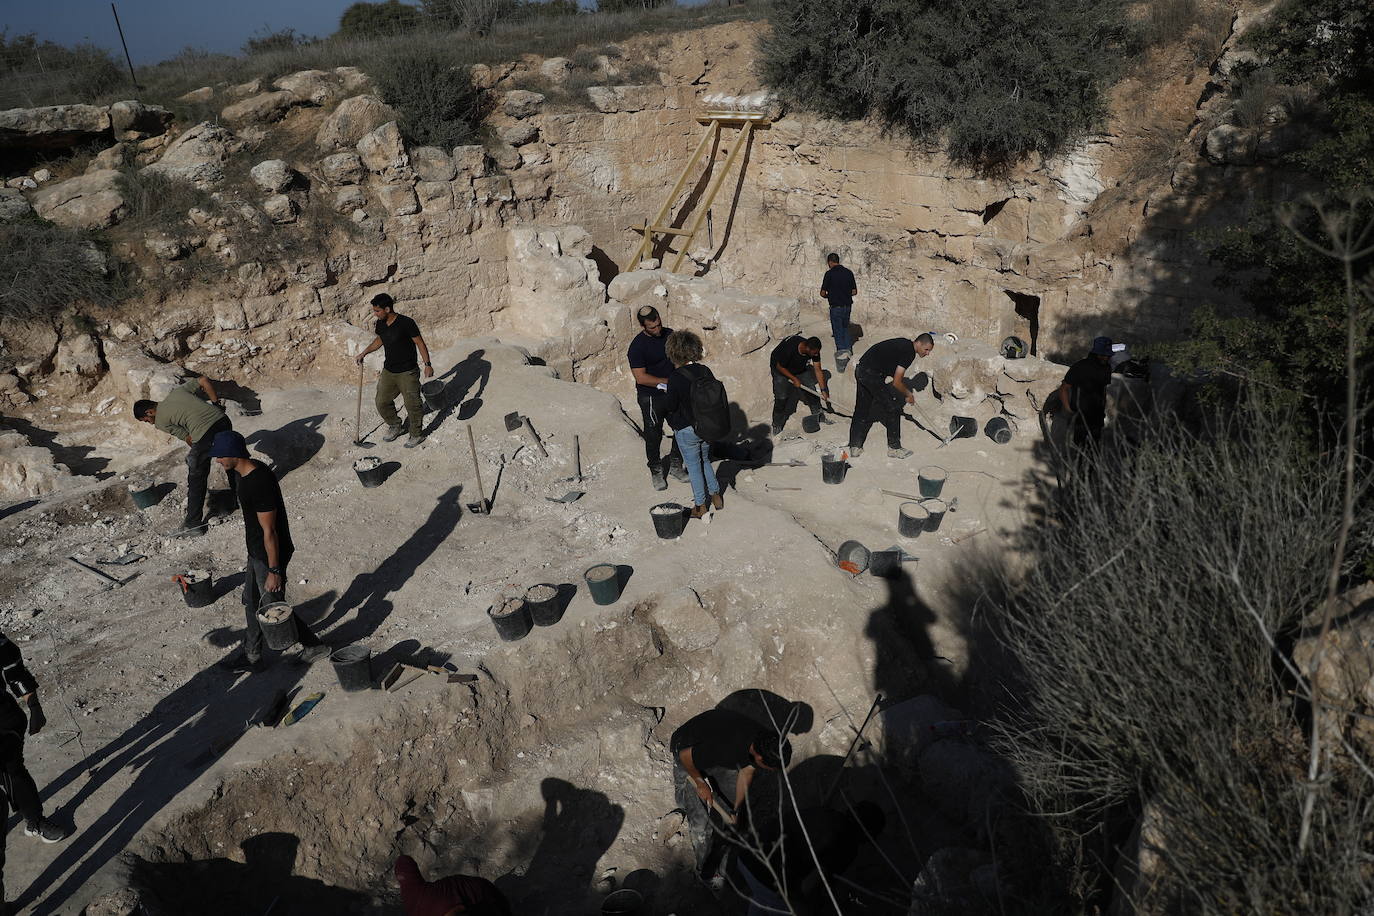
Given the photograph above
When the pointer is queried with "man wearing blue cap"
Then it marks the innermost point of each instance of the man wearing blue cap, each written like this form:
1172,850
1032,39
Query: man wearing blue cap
267,532
1083,395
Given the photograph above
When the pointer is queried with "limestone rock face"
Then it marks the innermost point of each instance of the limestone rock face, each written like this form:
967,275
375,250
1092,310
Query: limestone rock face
343,168
13,205
614,99
78,354
113,157
1346,679
53,127
138,375
352,120
743,333
349,199
27,470
552,279
91,201
198,155
470,160
280,208
433,164
556,70
311,87
199,96
519,134
135,118
244,90
273,175
521,103
383,152
682,620
399,199
260,109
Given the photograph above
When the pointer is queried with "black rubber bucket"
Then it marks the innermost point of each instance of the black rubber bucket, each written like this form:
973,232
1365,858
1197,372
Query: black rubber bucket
811,425
935,513
278,625
542,600
197,588
855,553
353,667
369,471
432,393
670,519
833,468
603,582
624,902
998,430
143,493
931,480
511,619
885,564
911,519
962,427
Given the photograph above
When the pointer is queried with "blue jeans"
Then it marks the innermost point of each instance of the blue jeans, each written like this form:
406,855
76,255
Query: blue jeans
696,455
839,326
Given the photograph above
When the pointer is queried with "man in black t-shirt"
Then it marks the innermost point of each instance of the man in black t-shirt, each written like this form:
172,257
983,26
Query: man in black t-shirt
650,366
267,535
1083,395
878,401
400,336
727,748
787,363
838,289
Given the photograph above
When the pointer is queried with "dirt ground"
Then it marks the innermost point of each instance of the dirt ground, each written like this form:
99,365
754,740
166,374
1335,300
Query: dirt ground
550,774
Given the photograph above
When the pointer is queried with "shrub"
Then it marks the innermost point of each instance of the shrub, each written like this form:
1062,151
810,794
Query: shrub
431,87
36,72
472,15
157,202
1143,626
47,268
265,42
369,20
995,80
620,6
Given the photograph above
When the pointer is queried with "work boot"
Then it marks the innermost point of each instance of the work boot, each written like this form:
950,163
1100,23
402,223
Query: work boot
899,453
47,831
660,477
678,471
311,654
717,501
697,512
393,433
414,441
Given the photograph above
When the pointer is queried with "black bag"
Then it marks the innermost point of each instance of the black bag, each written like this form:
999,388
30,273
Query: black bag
710,404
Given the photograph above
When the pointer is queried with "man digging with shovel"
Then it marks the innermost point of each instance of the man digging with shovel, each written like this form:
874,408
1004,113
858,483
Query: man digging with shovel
790,360
400,336
878,401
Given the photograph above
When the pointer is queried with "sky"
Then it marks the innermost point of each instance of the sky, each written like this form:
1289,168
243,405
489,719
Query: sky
158,29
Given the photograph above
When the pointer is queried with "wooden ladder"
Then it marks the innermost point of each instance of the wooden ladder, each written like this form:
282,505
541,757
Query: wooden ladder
716,122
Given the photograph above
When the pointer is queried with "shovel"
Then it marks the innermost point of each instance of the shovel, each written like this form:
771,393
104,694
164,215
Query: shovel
482,507
794,463
515,420
358,419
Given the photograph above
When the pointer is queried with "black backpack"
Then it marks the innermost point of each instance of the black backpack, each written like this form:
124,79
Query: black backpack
710,404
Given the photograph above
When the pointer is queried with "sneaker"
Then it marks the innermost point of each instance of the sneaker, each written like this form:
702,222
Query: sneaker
414,441
47,831
393,433
188,531
311,654
660,479
855,451
899,453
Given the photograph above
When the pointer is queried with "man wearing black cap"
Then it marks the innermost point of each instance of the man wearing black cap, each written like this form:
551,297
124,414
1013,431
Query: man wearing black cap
195,420
789,361
650,366
267,532
1083,395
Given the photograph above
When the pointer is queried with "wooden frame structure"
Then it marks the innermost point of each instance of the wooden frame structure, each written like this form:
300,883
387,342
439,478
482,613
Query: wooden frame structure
716,121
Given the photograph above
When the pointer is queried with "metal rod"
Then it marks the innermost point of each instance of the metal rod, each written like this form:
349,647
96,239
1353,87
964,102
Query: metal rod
577,455
133,79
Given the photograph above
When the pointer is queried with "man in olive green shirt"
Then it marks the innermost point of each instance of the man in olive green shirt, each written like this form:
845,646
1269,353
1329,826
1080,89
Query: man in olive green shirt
185,415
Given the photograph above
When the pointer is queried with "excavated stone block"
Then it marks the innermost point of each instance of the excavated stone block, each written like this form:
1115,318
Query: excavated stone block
343,168
683,621
743,333
433,164
259,109
91,201
521,103
383,151
352,120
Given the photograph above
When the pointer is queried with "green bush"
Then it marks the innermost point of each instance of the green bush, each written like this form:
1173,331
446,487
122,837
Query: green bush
995,80
34,72
47,268
431,87
370,20
266,42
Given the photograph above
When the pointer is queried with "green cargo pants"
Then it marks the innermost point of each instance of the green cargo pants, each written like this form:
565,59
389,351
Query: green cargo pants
407,385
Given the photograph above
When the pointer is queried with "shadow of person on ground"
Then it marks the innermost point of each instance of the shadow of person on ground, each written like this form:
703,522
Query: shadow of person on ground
579,826
75,457
264,881
459,381
905,661
771,710
368,592
291,446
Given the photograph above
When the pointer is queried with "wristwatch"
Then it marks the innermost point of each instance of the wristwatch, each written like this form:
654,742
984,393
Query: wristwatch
274,570
429,365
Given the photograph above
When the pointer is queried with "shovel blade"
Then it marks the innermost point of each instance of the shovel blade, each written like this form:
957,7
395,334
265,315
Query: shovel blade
513,421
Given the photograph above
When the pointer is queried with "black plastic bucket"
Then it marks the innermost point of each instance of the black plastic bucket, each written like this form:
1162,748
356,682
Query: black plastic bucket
603,582
911,519
885,564
432,394
935,513
833,468
811,425
542,600
962,427
197,588
278,625
369,471
670,519
143,493
353,667
624,902
853,552
931,480
511,619
998,430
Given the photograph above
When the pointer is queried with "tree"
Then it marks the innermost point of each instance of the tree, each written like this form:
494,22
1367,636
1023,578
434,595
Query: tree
370,20
620,6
